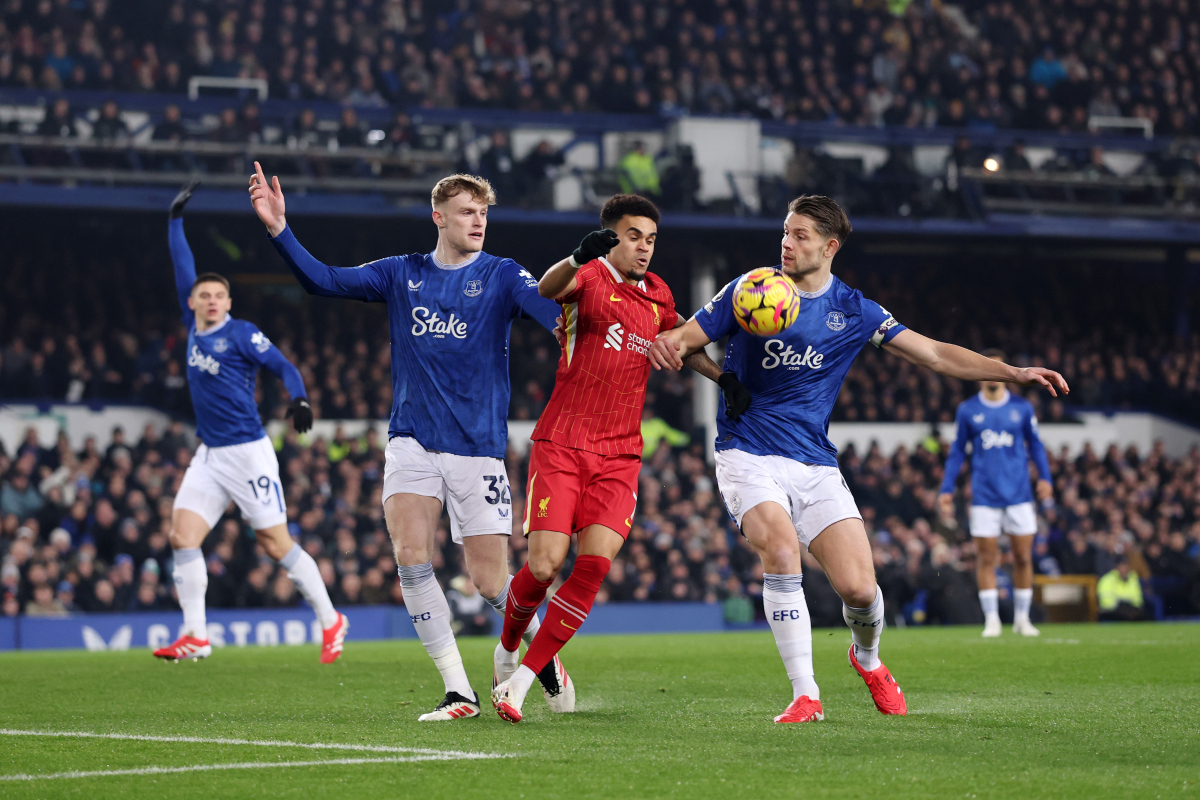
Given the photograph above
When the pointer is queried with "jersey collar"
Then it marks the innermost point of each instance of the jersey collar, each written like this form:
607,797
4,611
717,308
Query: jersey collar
814,295
616,276
437,262
996,403
216,327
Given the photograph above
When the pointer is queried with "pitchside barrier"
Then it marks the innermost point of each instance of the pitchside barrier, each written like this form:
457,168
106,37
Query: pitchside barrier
282,627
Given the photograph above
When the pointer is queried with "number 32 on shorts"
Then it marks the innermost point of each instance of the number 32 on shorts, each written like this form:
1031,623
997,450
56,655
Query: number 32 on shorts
497,490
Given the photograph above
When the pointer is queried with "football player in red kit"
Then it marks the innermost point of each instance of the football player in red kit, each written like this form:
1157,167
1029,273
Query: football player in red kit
587,445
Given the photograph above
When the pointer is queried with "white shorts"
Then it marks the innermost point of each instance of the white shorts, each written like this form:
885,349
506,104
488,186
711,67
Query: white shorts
988,523
474,489
814,496
247,474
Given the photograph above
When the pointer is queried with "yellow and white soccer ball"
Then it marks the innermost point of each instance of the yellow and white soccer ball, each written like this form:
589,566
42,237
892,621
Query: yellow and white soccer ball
765,302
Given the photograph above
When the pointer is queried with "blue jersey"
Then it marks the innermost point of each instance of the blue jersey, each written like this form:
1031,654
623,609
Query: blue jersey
223,363
795,376
1003,436
449,328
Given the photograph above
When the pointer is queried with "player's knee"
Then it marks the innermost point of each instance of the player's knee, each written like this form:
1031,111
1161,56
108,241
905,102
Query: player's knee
544,566
490,586
860,594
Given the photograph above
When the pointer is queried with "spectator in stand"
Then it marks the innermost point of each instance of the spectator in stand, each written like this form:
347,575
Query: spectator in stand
639,173
1119,594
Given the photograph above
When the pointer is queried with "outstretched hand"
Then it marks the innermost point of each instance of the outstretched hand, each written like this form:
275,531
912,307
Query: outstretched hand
1028,376
182,198
664,353
267,200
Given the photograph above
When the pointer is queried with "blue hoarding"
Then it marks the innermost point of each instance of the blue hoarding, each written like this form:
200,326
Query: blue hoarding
274,627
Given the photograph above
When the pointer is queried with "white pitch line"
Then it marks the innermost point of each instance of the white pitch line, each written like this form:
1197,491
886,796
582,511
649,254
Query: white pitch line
207,767
369,748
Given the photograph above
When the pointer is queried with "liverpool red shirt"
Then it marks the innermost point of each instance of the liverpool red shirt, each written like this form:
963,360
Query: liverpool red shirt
600,386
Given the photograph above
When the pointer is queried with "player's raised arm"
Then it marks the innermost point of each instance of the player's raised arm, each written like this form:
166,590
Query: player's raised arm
559,280
369,282
528,302
181,254
959,362
671,348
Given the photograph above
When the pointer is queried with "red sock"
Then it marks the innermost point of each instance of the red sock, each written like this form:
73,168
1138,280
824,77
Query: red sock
525,594
567,610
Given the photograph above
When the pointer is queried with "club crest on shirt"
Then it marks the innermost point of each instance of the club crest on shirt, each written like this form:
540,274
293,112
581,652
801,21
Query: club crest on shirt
1014,415
220,345
473,288
836,321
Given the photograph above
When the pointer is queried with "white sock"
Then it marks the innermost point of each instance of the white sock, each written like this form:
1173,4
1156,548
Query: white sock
989,600
191,582
520,682
866,626
1022,601
430,613
307,576
787,613
501,600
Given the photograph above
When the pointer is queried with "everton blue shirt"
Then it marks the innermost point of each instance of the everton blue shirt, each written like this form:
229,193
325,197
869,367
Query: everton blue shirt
449,329
1003,435
223,362
795,376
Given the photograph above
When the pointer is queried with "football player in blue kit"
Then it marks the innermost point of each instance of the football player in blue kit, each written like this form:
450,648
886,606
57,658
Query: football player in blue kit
450,313
1003,434
235,460
778,471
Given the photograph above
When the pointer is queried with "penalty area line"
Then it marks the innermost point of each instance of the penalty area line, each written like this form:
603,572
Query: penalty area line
445,755
210,767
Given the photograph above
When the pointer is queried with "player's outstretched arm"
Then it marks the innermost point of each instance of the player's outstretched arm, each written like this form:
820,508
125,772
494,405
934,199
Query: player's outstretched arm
317,278
559,280
699,360
181,254
967,365
1037,452
672,347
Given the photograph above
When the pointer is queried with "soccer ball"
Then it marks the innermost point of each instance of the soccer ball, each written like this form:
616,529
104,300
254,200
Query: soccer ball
765,302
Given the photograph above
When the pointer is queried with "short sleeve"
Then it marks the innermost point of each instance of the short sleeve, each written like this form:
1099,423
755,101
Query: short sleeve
716,318
879,323
582,279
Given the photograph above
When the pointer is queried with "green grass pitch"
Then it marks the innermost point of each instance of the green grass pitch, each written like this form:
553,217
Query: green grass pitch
1084,711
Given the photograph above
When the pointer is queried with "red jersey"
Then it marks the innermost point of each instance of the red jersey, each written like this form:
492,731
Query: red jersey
600,386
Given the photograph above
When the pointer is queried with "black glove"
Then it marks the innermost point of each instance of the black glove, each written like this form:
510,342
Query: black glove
300,413
737,396
594,245
182,198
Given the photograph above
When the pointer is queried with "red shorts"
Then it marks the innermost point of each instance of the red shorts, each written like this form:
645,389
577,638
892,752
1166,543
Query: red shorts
570,489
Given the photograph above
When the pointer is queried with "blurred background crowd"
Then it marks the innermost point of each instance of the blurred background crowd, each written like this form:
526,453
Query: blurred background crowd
1002,63
87,531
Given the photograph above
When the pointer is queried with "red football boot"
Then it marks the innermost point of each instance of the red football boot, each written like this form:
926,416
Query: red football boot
884,691
802,709
333,637
185,647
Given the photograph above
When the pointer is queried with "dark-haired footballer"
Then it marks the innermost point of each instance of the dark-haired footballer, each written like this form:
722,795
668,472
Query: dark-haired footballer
587,445
776,468
235,460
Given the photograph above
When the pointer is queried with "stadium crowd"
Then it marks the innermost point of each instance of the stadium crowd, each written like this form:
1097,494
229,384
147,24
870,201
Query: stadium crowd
87,530
1000,63
103,326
